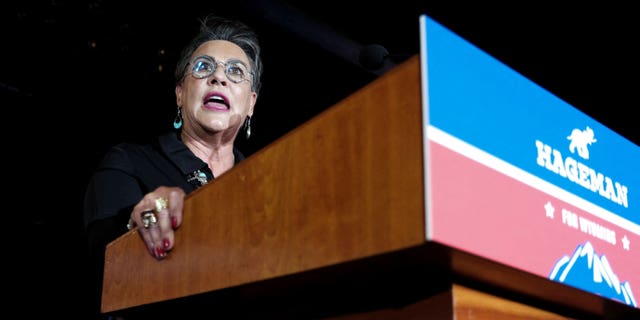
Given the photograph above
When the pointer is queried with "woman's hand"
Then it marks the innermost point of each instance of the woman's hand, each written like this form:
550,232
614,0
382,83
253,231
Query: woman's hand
156,216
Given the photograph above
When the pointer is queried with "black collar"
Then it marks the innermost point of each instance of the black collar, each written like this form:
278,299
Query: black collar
191,166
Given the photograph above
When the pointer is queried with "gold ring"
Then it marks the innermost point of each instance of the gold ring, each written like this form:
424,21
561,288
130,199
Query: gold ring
161,203
148,218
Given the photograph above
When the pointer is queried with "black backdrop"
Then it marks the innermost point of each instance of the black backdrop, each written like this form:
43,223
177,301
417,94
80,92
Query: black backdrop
78,77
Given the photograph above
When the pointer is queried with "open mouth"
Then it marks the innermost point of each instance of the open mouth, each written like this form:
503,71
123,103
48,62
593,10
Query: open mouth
216,99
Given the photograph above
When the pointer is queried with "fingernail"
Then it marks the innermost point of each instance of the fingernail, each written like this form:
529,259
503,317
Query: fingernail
160,252
166,243
174,222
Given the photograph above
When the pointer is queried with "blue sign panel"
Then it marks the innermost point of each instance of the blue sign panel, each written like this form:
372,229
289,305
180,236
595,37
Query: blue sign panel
577,182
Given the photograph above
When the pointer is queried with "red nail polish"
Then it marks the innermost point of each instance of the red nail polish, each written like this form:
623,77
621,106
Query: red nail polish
160,252
174,222
166,243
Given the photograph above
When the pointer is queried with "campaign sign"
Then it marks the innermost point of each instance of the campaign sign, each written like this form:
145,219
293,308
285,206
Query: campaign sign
518,176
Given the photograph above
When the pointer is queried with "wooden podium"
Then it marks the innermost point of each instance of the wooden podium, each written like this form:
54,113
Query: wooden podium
329,222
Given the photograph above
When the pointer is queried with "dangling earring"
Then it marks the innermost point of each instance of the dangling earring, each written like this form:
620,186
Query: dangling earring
247,126
177,122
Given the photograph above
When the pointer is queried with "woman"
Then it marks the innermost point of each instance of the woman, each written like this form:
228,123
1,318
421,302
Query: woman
143,186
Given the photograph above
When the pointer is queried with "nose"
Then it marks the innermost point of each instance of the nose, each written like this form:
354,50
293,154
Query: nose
218,75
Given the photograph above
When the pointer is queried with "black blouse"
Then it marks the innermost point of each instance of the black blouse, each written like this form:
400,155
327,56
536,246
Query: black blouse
129,171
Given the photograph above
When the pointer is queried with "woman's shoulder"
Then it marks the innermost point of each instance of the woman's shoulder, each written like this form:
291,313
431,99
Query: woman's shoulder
122,156
129,154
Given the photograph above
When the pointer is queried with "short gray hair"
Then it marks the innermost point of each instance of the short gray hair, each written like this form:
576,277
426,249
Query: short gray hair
213,27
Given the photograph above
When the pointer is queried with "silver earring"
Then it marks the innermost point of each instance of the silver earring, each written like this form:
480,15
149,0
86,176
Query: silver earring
247,126
177,122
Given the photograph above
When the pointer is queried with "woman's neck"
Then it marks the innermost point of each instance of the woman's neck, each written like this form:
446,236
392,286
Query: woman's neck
216,153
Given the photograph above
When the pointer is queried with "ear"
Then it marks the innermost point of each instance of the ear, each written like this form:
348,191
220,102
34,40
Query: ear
252,102
178,95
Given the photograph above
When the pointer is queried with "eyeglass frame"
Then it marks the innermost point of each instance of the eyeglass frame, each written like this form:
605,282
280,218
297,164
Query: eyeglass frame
225,64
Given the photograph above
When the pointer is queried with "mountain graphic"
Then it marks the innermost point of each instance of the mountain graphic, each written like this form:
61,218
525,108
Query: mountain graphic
588,271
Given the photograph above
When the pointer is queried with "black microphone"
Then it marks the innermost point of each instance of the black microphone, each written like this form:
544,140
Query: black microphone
373,56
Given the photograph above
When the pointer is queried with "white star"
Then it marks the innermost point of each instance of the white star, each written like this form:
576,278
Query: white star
625,242
549,209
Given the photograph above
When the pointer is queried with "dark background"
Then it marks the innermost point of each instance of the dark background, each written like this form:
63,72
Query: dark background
80,76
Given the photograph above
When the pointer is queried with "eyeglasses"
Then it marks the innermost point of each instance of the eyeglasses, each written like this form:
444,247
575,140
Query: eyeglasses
205,66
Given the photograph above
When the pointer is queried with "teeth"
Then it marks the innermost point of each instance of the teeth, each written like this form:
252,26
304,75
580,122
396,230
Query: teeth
216,99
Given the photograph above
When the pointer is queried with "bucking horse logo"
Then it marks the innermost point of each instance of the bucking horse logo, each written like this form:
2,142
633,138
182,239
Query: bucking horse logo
580,140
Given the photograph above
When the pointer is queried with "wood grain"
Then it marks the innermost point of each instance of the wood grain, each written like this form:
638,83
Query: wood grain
345,185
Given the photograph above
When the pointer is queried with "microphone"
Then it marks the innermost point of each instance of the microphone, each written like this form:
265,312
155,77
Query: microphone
373,56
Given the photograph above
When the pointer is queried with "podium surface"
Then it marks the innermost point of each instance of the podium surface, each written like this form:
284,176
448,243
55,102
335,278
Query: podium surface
346,185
